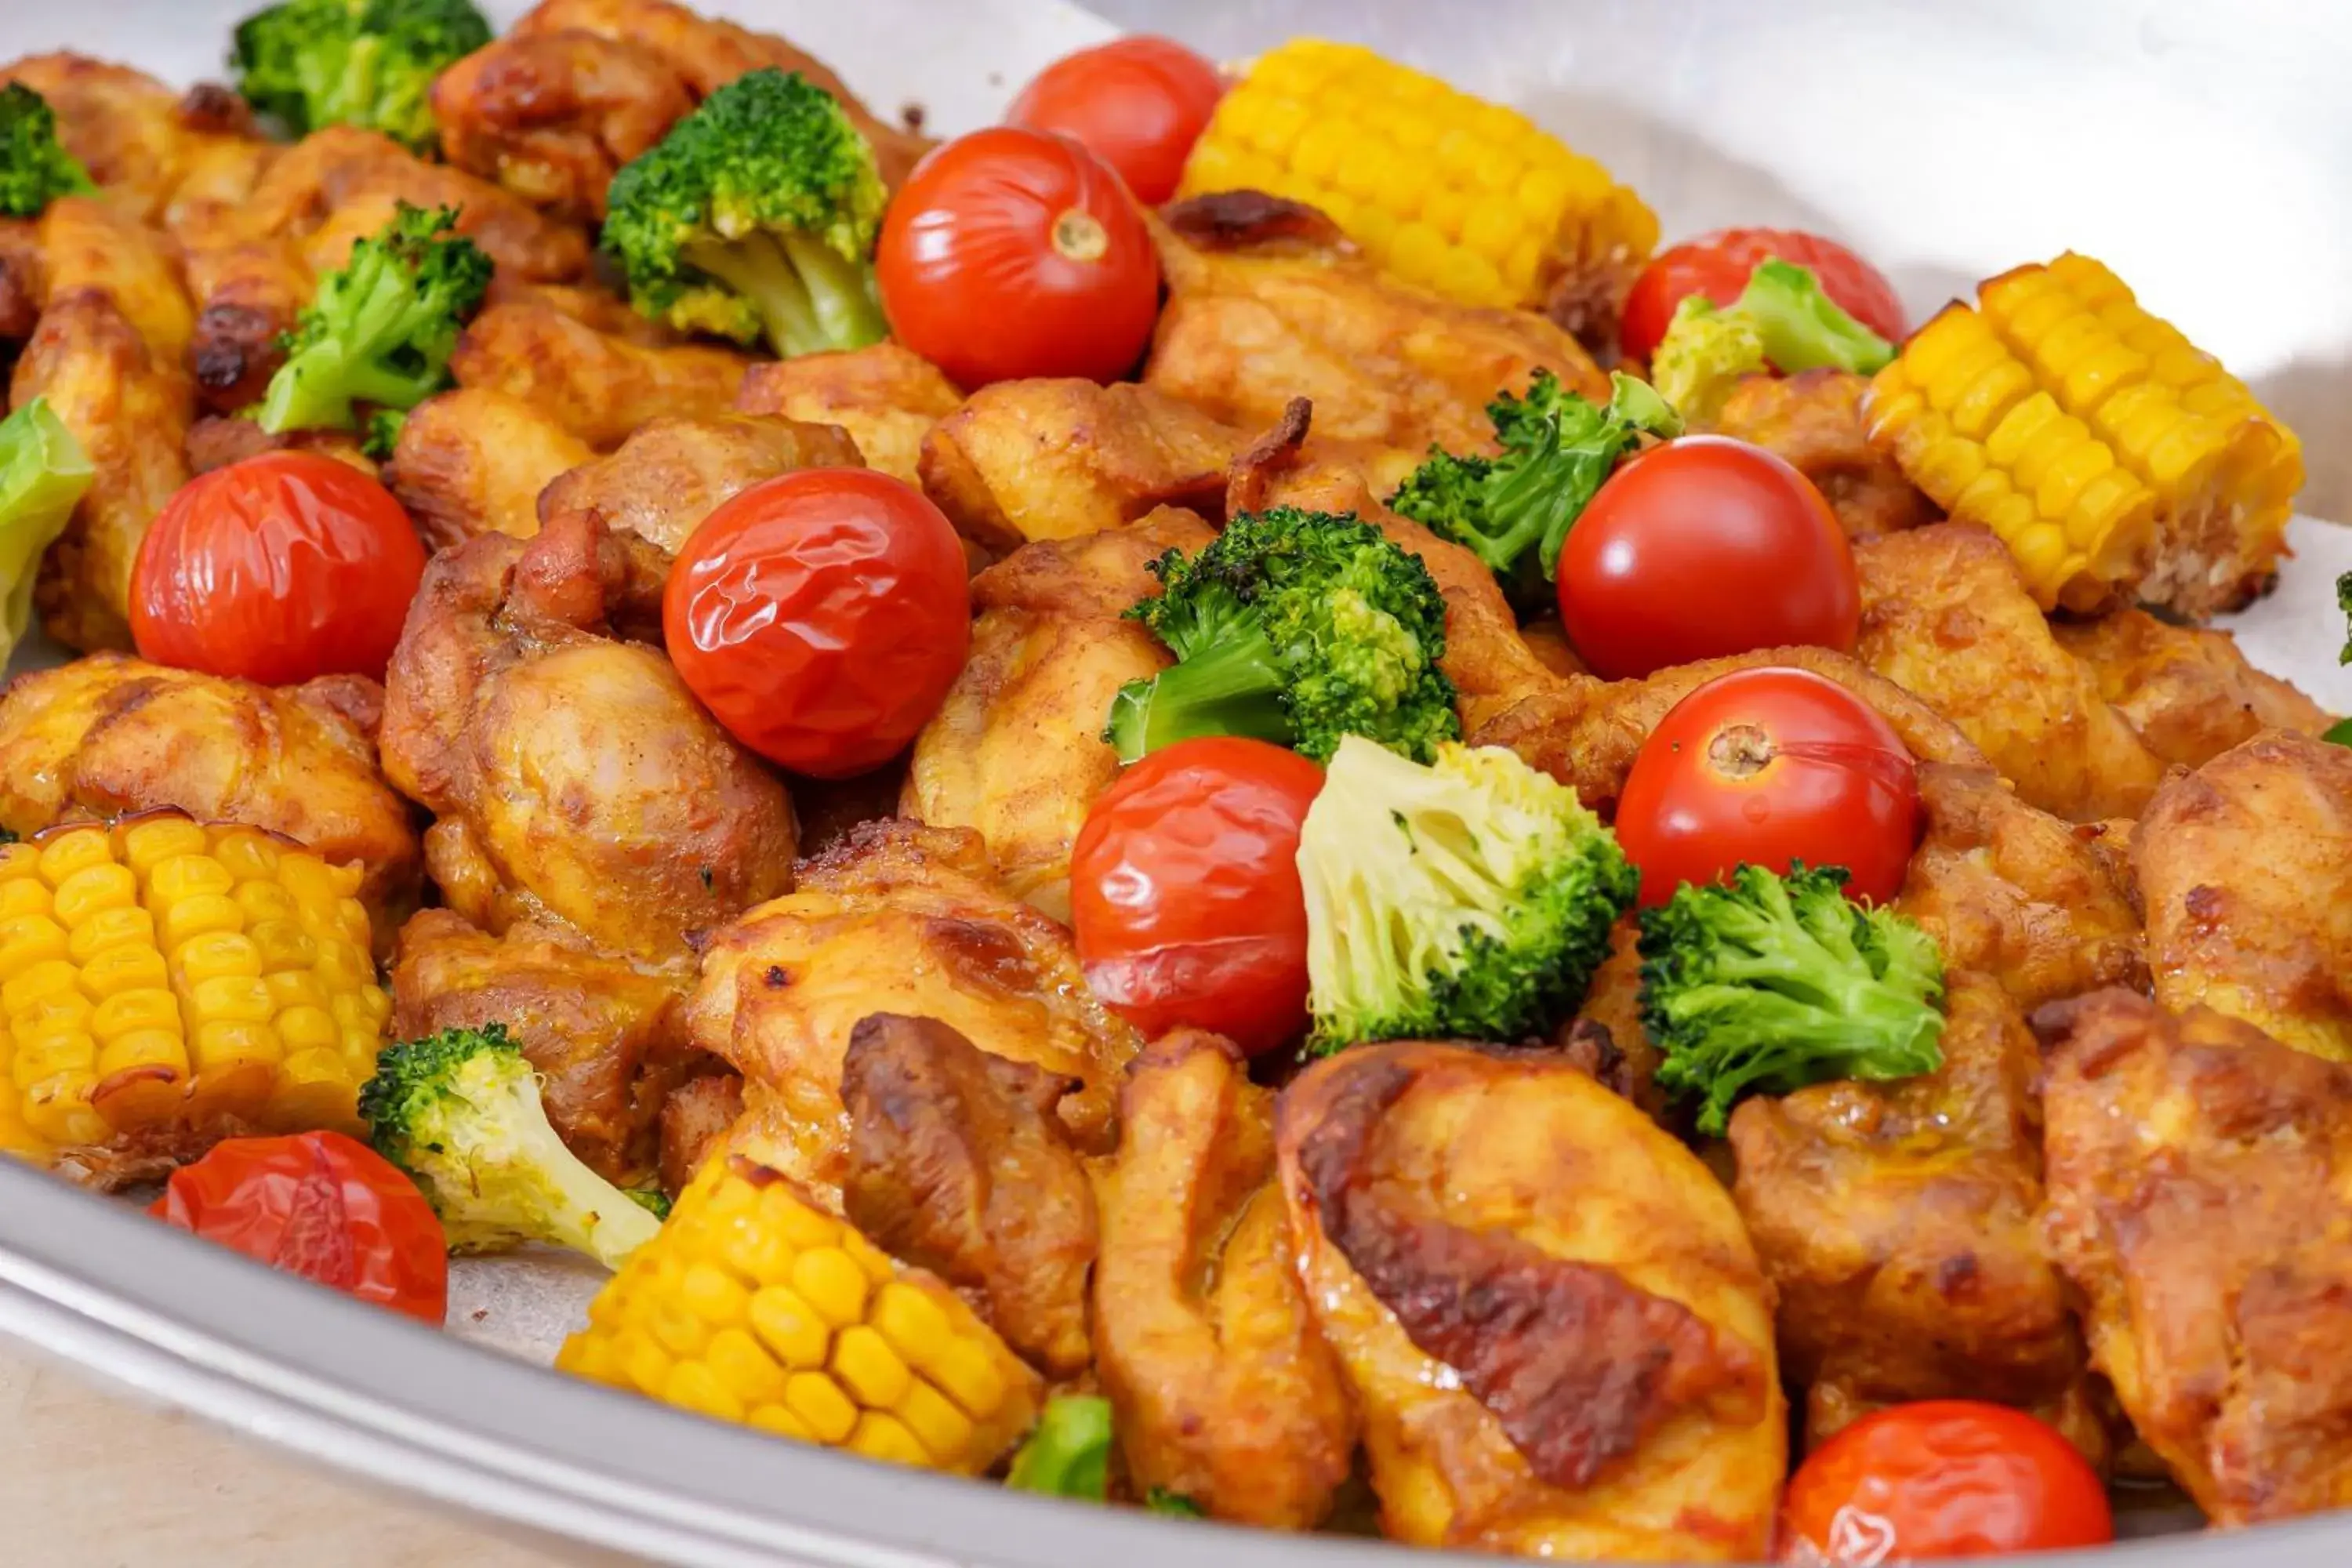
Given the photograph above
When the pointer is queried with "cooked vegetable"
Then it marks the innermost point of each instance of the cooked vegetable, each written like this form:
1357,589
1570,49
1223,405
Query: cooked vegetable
1782,320
315,63
753,1305
754,219
1296,628
2115,459
1768,984
1175,1505
164,980
1388,153
1069,1453
1139,103
384,428
460,1112
43,475
381,328
35,167
1718,267
1467,900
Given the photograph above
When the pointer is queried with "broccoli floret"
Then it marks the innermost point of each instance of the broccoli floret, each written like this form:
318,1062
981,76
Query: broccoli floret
1295,628
382,330
1175,1505
755,217
1469,900
314,63
1514,512
2344,603
43,473
1068,1452
35,167
460,1112
1772,982
1783,320
1705,353
383,428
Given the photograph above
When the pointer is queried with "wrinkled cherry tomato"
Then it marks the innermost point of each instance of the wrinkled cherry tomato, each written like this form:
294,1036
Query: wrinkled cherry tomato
1718,265
1702,548
1770,766
322,1206
280,568
821,616
1013,253
1941,1478
1137,103
1185,892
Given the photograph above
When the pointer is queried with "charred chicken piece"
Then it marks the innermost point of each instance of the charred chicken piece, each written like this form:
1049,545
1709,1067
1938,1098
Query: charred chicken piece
671,473
887,397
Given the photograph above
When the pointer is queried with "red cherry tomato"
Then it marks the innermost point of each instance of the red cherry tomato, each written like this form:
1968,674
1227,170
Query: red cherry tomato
821,616
1701,548
1718,265
1769,766
1185,892
322,1206
1136,103
1013,253
1941,1478
280,568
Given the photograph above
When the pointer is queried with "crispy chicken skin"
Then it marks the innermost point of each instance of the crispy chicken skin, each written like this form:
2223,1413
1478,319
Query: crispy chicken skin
2186,690
671,472
575,780
137,137
473,461
959,1165
24,277
88,243
898,918
1614,1003
552,116
1552,1320
1945,614
2244,869
2197,1171
1222,1390
1813,420
599,385
695,1120
887,397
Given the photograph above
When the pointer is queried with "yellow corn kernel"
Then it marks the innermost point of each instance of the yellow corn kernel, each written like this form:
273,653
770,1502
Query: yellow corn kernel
885,1437
22,895
110,930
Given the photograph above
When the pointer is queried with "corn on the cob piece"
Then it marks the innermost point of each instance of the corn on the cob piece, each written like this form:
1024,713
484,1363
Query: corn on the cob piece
2113,457
753,1305
1460,195
164,982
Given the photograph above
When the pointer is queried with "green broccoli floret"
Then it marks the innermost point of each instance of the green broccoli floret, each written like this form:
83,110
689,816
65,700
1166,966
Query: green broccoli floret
314,63
1068,1454
1772,982
1783,320
2344,603
1175,1505
35,167
1514,512
43,473
1468,899
755,217
1705,353
460,1112
381,330
383,428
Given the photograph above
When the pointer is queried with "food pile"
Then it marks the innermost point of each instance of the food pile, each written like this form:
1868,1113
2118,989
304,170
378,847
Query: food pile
1211,801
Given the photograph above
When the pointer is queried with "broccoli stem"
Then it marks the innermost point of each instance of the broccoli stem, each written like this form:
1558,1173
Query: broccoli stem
808,298
1234,687
317,386
841,291
1803,328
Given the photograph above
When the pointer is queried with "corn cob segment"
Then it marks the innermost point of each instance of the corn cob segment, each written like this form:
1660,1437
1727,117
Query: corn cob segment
2115,459
753,1305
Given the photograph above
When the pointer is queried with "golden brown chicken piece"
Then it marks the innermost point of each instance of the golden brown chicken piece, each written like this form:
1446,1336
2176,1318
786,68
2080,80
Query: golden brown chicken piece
1016,752
1813,420
1555,1327
552,116
89,244
671,473
896,918
217,182
1222,1390
473,461
24,277
1945,615
957,1165
599,385
251,291
695,1120
2186,690
111,734
2244,869
1898,1224
1614,1003
1267,301
576,781
137,137
886,396
2196,1173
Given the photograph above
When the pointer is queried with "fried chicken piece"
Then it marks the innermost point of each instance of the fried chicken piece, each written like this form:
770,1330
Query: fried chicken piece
600,386
1946,615
89,244
251,293
111,734
831,809
1223,1389
552,116
1614,1004
591,304
671,473
137,137
2186,690
2244,869
695,1120
1015,751
576,781
24,277
2196,1173
1813,420
473,461
886,396
217,440
896,918
217,183
957,1165
1555,1327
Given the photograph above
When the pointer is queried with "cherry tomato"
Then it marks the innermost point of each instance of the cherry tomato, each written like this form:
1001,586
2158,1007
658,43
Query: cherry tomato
322,1206
1941,1478
1185,892
822,616
1013,253
1136,103
1701,548
1769,766
1718,265
282,567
